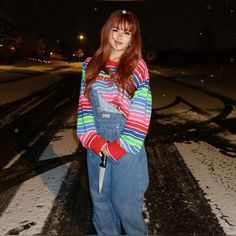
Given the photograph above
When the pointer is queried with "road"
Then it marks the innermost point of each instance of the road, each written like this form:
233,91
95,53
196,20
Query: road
184,114
175,203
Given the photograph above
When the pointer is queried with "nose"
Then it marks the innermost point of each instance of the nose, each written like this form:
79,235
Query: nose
120,33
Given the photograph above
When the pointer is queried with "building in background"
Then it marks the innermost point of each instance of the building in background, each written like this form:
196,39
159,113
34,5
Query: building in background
10,42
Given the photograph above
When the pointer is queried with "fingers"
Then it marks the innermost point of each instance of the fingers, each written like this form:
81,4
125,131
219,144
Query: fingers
104,150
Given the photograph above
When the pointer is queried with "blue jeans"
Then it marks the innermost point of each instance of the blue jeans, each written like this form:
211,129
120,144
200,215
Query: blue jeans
125,182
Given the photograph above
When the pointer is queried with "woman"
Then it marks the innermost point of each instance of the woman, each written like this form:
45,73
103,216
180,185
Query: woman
113,118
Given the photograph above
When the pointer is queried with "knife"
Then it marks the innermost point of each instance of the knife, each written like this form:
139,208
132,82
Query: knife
102,169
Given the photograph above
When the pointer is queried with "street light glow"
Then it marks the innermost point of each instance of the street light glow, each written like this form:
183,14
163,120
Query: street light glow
81,37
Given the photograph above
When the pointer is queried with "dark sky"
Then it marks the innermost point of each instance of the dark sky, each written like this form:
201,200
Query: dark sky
165,24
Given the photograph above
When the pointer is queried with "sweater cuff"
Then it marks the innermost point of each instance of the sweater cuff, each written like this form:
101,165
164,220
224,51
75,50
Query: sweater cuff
116,150
97,143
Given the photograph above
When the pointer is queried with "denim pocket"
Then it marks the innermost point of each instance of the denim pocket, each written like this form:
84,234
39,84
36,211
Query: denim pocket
109,132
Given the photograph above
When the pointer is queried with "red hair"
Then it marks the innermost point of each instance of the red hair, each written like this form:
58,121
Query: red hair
123,77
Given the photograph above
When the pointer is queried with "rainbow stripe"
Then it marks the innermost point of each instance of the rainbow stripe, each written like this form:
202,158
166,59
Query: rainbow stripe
136,110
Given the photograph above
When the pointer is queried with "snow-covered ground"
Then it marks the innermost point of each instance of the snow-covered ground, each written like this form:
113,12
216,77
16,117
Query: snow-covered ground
216,176
33,201
12,91
214,171
28,211
217,79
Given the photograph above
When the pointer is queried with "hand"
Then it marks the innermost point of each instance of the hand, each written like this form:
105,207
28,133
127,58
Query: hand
104,150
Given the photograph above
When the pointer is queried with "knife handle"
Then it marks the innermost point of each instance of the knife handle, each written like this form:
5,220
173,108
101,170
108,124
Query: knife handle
103,160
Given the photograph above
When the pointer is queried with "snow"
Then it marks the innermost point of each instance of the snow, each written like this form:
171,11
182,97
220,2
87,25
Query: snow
33,202
64,143
216,176
219,79
214,171
34,199
22,88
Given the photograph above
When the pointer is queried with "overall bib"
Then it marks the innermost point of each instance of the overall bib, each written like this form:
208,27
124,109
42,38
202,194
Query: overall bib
125,181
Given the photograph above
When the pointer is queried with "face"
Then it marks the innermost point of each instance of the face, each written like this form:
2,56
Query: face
119,39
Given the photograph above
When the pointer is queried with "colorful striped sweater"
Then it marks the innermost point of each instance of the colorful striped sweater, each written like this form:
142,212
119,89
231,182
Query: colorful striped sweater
136,110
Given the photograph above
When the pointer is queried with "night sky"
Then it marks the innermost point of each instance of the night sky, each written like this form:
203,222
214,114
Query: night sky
165,24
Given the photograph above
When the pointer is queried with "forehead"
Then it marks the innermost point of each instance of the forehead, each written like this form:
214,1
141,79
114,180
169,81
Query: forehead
123,25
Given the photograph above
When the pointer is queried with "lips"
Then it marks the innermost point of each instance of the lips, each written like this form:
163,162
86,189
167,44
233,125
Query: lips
118,43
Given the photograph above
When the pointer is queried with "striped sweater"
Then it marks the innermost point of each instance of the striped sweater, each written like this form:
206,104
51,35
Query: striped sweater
137,111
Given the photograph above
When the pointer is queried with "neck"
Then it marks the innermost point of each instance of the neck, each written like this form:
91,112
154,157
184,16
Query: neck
115,55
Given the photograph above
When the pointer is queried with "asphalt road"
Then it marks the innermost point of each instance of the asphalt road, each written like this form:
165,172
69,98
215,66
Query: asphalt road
175,203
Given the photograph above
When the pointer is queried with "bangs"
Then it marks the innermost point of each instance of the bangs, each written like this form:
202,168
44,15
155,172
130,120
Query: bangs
125,23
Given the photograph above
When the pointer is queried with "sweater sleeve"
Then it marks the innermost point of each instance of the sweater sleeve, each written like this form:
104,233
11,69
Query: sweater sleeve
132,137
86,130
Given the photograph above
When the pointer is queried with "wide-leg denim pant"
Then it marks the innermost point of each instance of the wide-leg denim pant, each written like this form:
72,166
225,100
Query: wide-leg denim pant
125,182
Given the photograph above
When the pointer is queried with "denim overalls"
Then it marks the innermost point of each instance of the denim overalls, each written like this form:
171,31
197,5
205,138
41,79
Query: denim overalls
125,182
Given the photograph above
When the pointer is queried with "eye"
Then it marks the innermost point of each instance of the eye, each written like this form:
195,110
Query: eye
114,30
127,33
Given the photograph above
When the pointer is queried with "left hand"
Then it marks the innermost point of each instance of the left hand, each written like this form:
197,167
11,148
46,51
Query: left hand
105,150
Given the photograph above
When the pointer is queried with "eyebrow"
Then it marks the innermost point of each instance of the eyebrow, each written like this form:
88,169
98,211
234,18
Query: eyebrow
116,27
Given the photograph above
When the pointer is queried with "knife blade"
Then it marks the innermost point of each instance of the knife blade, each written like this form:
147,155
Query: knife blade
102,168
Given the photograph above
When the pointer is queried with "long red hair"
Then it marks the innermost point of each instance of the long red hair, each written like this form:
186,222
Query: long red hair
123,77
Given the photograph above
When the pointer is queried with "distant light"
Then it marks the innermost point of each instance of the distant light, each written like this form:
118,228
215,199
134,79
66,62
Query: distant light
231,60
58,41
81,36
212,75
95,9
51,53
232,11
201,33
